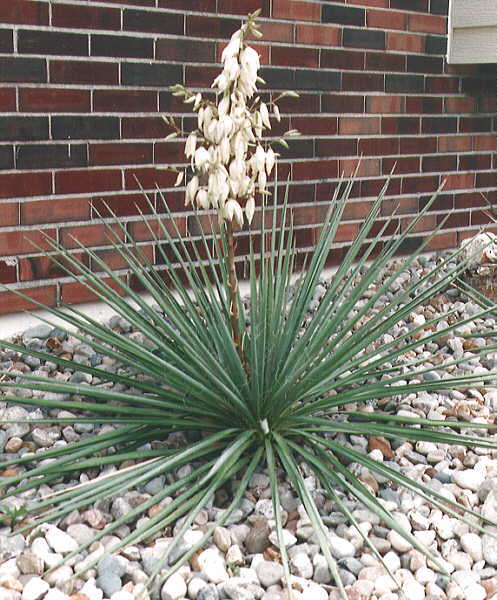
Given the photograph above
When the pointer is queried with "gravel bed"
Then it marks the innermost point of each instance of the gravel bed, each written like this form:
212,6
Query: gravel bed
241,560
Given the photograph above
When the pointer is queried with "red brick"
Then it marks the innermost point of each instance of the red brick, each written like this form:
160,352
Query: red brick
274,31
169,152
487,104
122,205
364,82
85,17
200,76
211,26
338,146
385,104
305,103
88,180
321,169
44,267
443,240
75,293
144,127
454,143
458,181
475,162
115,261
124,101
317,35
400,165
418,145
378,146
21,241
359,125
423,104
427,223
294,56
141,231
83,72
120,154
485,179
469,200
417,185
405,42
427,23
439,163
386,19
8,272
7,99
10,303
342,103
379,3
54,100
55,210
401,206
400,125
193,5
484,142
455,220
357,210
463,104
243,7
136,179
385,61
349,60
366,167
89,235
18,185
299,10
315,125
9,214
24,12
441,85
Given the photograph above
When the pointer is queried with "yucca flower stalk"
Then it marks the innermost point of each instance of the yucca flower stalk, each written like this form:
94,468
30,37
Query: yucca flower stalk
280,398
229,159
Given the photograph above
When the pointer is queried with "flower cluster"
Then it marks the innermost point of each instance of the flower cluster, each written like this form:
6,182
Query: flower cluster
229,159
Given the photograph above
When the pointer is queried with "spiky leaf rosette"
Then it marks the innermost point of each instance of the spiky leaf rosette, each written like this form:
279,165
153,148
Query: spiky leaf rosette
289,405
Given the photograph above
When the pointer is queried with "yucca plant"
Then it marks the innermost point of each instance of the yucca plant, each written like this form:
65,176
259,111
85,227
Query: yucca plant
263,387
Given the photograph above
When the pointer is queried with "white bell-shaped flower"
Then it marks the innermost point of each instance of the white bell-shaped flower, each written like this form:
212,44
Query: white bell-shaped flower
270,160
191,190
201,158
202,199
233,210
250,209
190,145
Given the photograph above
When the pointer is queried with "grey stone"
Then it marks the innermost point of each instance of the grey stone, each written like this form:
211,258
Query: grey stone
269,573
431,376
209,592
109,583
11,547
41,332
354,565
155,485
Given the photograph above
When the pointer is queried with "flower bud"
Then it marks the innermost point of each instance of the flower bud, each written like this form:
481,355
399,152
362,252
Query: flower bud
265,115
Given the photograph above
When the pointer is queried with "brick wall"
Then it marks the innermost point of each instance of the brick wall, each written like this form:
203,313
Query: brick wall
83,85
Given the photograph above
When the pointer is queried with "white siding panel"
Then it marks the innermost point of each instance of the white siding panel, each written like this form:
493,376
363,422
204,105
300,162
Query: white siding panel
472,31
475,13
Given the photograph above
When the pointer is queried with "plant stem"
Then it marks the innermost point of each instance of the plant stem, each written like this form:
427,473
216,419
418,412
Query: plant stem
233,289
